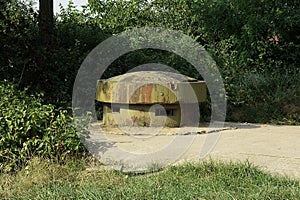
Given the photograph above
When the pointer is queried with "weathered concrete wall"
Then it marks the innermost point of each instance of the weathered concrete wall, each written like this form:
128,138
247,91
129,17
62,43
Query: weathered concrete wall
134,99
188,92
140,115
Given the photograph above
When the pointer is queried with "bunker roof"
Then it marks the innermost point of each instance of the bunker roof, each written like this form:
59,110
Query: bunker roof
150,87
158,77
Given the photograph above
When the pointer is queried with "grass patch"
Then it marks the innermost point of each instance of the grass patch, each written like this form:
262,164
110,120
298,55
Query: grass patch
43,179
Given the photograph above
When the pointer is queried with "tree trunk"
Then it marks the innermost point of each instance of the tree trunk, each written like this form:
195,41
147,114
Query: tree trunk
46,20
45,24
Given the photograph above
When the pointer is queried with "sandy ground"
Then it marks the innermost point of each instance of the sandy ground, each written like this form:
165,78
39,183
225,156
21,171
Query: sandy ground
275,149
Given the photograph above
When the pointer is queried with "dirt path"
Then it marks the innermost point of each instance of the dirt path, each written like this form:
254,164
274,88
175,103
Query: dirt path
275,149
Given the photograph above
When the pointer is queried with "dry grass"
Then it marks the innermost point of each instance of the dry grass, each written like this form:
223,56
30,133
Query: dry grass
43,179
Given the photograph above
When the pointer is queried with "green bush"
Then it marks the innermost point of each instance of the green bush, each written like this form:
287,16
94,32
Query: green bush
255,44
30,128
49,68
265,97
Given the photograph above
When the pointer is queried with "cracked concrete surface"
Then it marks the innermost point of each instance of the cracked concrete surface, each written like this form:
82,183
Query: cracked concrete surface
275,149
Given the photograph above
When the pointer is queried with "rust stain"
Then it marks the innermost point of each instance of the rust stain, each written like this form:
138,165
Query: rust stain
134,97
147,93
119,89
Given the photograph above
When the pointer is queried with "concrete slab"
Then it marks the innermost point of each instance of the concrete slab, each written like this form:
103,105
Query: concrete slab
275,149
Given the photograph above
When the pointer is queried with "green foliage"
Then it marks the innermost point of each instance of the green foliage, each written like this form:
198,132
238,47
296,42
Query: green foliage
28,127
49,68
255,44
118,15
18,30
73,38
263,98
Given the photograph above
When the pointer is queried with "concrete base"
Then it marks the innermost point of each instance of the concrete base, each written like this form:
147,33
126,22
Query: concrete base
272,148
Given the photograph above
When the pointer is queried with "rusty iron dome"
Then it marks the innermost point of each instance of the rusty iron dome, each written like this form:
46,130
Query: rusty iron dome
143,98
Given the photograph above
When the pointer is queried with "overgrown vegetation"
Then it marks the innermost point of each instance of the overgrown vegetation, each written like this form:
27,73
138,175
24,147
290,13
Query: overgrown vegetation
29,128
255,44
43,179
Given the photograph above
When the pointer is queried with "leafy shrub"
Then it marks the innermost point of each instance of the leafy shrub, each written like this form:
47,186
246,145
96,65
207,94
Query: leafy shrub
49,68
18,40
253,42
30,128
264,97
